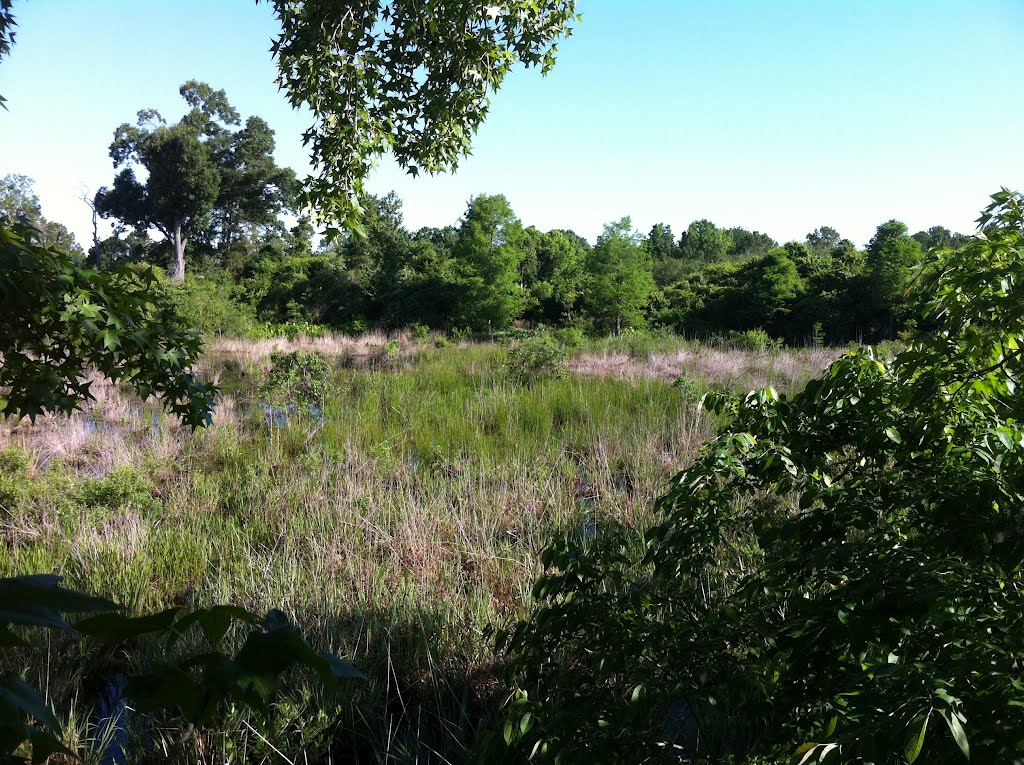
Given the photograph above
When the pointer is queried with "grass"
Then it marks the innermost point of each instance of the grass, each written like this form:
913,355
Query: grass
397,532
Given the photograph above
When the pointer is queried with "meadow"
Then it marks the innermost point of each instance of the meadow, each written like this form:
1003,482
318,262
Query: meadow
399,524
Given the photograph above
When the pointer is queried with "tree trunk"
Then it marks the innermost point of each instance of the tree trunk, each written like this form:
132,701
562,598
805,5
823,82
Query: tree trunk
178,239
97,258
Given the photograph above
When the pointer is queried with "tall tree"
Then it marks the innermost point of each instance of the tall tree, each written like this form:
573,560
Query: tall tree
489,250
619,281
890,255
823,240
661,242
202,178
748,244
559,278
940,238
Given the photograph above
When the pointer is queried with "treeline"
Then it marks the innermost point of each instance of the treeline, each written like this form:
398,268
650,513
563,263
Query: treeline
210,186
490,271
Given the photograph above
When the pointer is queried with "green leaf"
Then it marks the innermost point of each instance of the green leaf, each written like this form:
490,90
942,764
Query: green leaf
17,695
959,735
915,738
38,599
118,627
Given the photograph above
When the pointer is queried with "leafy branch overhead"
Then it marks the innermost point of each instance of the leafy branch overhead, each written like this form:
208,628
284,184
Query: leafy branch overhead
412,77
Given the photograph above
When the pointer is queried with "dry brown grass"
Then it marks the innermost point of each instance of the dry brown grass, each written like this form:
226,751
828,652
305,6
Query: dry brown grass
712,366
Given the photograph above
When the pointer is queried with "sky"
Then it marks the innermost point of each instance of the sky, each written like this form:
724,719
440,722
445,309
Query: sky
776,115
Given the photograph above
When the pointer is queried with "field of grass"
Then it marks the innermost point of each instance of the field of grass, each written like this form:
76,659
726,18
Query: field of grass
396,530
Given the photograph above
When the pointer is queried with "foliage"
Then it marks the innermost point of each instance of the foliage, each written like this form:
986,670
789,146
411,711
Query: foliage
619,281
752,340
418,86
687,387
836,578
297,378
489,251
61,320
207,305
539,355
289,329
571,338
201,179
195,683
19,204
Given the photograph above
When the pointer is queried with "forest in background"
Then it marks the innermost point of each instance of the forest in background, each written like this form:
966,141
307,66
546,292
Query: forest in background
212,196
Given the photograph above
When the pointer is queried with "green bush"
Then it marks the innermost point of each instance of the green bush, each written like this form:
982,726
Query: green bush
836,578
538,355
753,340
15,486
572,338
297,378
690,389
208,306
290,329
420,333
124,487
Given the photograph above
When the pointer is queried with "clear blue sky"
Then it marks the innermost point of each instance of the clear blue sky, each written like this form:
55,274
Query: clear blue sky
778,115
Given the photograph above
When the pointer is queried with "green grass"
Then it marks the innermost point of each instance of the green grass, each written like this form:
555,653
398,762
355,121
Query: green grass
397,532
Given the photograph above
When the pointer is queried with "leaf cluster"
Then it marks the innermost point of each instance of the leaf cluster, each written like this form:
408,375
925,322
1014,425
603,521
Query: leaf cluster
412,78
193,682
60,321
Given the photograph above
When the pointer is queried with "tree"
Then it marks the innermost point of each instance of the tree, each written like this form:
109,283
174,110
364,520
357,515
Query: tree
201,178
254,191
488,251
771,284
560,276
703,243
618,282
61,320
661,242
410,78
835,578
940,237
19,204
890,255
823,240
748,244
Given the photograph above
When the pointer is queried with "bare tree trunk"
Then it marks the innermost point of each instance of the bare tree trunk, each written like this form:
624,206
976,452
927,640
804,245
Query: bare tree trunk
178,239
94,252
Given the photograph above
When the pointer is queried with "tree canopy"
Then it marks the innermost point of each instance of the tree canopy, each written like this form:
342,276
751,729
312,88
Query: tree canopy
412,78
202,179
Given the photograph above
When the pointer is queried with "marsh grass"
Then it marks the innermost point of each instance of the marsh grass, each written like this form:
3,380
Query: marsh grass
396,532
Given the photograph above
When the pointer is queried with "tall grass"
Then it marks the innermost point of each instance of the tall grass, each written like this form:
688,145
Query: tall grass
396,532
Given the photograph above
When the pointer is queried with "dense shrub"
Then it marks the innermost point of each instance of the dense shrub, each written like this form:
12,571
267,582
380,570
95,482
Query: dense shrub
538,355
752,340
836,578
297,378
207,305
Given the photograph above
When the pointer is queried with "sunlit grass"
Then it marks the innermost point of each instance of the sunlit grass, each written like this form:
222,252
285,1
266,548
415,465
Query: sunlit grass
396,532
